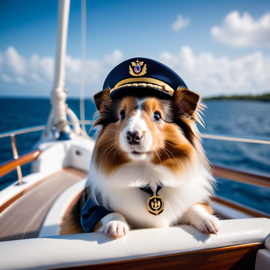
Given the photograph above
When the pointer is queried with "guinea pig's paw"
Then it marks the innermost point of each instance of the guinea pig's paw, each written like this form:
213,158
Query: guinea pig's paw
116,228
208,225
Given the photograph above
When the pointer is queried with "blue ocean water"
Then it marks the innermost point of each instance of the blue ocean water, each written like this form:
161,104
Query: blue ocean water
242,118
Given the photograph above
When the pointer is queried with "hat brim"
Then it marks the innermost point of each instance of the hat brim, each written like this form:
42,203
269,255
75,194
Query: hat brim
140,92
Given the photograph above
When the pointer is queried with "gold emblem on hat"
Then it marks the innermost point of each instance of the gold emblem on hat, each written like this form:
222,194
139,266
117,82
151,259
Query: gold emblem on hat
138,68
155,205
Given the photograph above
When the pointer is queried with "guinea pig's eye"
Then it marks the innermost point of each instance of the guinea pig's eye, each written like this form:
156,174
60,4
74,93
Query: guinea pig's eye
157,116
123,114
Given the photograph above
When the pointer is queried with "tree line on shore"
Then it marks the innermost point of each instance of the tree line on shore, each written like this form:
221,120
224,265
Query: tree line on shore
263,97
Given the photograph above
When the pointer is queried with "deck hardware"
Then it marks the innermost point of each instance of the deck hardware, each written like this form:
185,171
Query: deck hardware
16,156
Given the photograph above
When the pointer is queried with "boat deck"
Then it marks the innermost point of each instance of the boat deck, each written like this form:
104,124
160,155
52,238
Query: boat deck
24,218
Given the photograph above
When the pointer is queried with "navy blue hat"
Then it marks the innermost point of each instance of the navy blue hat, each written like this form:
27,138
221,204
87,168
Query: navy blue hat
142,77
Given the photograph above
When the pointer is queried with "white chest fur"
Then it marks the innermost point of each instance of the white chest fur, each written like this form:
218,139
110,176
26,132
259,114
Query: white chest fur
121,192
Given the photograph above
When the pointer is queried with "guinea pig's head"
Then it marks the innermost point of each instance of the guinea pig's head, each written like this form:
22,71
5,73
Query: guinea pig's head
148,129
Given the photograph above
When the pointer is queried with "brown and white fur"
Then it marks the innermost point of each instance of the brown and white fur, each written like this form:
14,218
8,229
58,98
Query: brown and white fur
138,150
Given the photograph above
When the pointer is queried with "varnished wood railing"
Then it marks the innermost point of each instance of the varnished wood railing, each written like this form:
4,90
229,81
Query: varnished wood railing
12,165
243,177
221,172
240,207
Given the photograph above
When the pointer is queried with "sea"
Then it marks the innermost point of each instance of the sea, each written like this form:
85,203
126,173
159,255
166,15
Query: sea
240,118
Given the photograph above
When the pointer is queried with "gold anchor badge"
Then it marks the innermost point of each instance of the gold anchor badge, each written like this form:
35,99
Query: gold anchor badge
155,205
137,70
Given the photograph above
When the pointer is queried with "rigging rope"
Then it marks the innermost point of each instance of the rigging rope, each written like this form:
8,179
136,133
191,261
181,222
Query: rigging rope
83,62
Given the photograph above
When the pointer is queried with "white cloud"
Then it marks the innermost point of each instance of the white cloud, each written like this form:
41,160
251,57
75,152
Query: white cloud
204,73
95,71
209,76
20,80
19,69
180,23
14,62
6,78
243,31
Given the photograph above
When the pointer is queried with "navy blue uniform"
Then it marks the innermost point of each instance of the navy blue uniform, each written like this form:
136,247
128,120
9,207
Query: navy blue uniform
91,214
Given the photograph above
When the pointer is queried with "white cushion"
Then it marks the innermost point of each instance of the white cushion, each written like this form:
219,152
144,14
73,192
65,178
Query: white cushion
96,248
267,243
262,260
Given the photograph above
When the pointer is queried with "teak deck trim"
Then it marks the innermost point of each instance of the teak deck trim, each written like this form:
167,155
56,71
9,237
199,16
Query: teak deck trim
9,202
24,218
230,257
78,172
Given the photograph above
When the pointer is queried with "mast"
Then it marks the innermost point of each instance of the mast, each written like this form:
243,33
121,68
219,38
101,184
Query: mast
58,94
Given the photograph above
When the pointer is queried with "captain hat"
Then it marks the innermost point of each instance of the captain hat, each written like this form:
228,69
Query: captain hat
142,77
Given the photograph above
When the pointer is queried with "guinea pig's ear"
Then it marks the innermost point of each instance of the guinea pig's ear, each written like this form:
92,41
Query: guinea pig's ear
185,102
102,99
103,103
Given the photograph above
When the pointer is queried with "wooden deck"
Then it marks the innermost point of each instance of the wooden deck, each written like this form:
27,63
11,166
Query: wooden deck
26,211
24,217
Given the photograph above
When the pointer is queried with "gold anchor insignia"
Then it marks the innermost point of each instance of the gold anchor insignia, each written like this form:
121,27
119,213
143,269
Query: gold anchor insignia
137,69
155,205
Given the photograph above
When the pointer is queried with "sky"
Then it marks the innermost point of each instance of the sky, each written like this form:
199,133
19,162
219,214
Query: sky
217,47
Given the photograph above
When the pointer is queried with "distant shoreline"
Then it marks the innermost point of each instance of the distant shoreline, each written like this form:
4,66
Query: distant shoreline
263,97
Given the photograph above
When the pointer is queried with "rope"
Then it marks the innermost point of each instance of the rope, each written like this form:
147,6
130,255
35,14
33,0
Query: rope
58,101
83,43
75,121
58,94
60,109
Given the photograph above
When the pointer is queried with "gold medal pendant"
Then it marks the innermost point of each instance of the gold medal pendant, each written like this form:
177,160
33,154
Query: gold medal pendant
155,205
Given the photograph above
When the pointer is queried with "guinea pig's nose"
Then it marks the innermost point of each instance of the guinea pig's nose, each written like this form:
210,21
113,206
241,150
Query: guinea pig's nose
133,137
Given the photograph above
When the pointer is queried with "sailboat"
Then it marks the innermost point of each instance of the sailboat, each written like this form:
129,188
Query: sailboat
33,208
